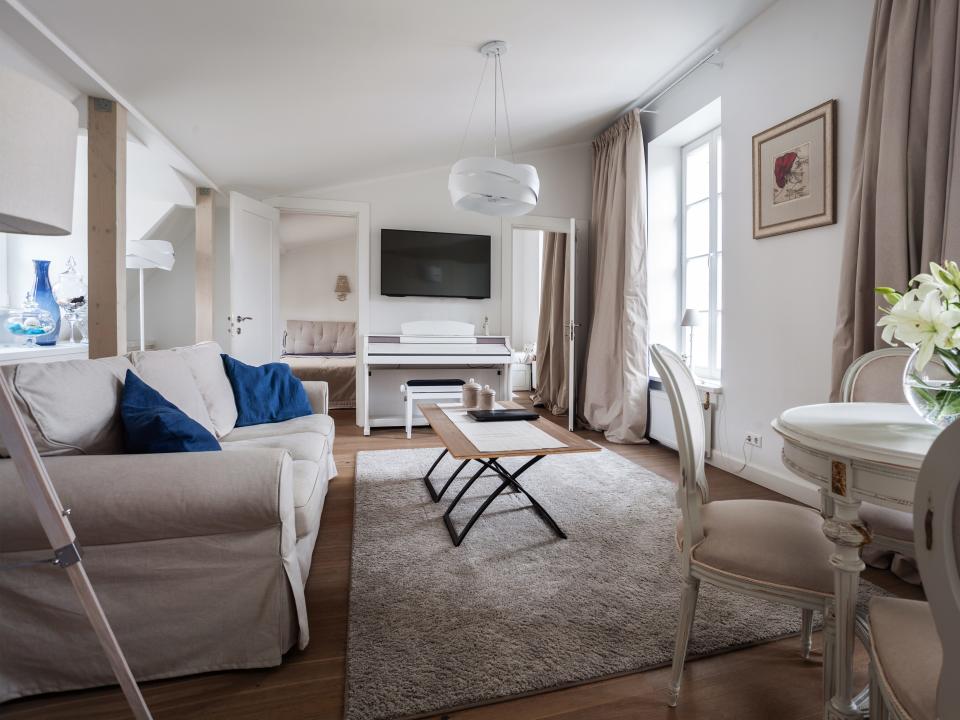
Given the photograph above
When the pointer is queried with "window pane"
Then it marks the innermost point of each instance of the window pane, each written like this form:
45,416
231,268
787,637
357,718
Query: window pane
698,284
719,223
697,172
719,165
698,229
719,280
701,347
719,338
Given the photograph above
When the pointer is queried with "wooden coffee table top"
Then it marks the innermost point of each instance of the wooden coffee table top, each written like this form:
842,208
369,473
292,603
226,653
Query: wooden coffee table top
461,448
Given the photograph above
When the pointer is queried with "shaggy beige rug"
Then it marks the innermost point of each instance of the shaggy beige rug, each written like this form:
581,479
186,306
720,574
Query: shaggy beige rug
514,609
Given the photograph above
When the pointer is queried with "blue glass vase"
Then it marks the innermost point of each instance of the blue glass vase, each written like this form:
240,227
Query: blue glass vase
43,296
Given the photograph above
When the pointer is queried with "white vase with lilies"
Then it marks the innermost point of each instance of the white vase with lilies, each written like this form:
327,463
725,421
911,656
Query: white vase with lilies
926,317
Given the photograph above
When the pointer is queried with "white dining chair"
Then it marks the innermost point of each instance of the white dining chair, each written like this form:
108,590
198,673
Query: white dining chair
762,548
878,377
915,655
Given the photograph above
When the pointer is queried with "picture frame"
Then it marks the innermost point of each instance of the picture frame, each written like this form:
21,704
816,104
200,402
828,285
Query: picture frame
795,173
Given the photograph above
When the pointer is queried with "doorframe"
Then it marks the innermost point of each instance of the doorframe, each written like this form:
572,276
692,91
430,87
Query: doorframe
360,211
511,270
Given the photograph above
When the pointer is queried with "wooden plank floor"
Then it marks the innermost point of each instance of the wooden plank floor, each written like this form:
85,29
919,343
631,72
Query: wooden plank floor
763,682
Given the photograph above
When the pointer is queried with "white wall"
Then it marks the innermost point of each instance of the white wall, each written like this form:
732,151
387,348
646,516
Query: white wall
780,293
170,306
308,275
528,252
420,201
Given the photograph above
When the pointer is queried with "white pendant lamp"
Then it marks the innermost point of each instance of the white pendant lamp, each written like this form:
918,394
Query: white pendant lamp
492,185
144,255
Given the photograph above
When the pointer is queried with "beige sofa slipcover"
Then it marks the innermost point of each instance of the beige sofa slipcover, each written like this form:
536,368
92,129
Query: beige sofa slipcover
199,559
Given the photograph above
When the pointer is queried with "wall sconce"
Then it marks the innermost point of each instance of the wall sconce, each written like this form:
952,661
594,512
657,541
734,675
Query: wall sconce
343,287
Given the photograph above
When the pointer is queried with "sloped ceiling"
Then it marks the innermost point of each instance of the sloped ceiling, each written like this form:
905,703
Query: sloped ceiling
270,97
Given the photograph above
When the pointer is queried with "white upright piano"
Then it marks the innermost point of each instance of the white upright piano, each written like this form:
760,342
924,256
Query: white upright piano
428,350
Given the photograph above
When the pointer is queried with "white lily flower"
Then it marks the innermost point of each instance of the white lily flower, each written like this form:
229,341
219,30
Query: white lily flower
926,323
945,281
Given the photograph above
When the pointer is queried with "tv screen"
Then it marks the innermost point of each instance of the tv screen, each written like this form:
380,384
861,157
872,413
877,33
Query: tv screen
432,264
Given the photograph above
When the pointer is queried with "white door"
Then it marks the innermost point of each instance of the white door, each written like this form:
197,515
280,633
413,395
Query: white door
572,329
255,333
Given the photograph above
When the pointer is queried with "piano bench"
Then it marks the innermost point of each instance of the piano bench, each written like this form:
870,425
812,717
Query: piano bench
414,391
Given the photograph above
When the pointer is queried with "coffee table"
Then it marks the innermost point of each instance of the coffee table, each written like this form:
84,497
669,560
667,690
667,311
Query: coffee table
458,446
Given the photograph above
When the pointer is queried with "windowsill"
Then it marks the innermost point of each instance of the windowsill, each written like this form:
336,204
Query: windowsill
703,385
23,353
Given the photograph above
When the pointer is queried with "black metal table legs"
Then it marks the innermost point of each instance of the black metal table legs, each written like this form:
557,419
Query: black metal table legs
509,480
434,495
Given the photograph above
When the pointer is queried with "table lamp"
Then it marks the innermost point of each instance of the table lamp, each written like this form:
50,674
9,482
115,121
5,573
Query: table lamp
38,149
691,319
146,254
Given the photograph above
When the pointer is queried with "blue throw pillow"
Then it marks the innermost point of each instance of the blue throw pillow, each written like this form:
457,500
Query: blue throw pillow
266,394
153,424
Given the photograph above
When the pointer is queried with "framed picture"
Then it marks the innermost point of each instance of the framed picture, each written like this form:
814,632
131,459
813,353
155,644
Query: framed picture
795,173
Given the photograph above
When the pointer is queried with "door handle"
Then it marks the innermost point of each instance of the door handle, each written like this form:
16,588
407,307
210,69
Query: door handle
241,318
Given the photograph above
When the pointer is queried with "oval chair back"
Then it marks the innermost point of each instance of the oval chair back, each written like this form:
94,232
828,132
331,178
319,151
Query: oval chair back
936,525
687,409
876,376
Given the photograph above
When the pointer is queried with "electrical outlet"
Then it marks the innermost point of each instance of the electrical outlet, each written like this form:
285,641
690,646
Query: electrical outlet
755,440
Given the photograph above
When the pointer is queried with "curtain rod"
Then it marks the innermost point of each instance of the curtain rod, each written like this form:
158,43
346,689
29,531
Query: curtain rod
672,85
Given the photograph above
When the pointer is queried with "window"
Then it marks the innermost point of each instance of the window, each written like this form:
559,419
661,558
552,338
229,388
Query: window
701,248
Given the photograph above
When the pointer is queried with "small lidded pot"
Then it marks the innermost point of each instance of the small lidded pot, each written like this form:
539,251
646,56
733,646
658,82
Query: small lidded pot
488,397
471,393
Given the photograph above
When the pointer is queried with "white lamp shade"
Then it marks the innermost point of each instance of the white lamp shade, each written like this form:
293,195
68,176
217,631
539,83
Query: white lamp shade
38,150
147,254
492,186
691,318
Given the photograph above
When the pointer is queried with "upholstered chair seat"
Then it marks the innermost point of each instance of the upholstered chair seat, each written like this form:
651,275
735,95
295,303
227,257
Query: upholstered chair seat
770,542
907,655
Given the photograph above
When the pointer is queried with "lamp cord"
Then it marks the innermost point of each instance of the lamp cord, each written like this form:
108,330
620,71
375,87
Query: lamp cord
476,97
506,114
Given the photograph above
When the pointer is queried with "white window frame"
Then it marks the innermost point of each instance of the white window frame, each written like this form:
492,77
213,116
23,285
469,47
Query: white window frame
710,370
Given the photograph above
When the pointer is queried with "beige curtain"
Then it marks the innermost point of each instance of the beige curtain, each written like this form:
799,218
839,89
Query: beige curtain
905,199
552,347
614,381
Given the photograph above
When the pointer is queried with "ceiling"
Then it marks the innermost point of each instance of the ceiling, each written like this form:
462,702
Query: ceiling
274,97
299,230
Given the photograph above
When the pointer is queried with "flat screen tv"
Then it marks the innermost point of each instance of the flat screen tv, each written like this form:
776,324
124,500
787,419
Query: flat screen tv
432,264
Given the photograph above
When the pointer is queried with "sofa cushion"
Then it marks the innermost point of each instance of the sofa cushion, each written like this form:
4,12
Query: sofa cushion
71,407
167,372
266,393
301,446
322,424
152,424
204,362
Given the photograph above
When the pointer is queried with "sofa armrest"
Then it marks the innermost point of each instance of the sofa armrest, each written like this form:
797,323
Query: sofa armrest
319,394
134,498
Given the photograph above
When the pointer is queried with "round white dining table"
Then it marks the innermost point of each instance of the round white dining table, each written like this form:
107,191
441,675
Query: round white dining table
853,452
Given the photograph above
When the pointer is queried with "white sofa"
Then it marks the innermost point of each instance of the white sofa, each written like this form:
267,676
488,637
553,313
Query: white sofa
199,559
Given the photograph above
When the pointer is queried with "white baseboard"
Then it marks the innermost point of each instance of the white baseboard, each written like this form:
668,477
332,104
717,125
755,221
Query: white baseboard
784,483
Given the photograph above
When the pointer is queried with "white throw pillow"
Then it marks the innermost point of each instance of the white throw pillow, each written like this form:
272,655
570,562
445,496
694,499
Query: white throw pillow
207,367
73,406
167,372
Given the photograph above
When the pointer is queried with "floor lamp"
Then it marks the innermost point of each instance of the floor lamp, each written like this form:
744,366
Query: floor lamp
144,255
38,146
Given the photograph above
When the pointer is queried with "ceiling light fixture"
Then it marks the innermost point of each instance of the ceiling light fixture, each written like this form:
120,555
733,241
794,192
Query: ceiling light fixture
492,185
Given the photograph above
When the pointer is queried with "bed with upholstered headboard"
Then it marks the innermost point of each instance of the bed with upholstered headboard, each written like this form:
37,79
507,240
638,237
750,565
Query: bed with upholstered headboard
324,350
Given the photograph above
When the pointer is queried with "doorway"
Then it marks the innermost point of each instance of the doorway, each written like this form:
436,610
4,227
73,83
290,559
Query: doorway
540,312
